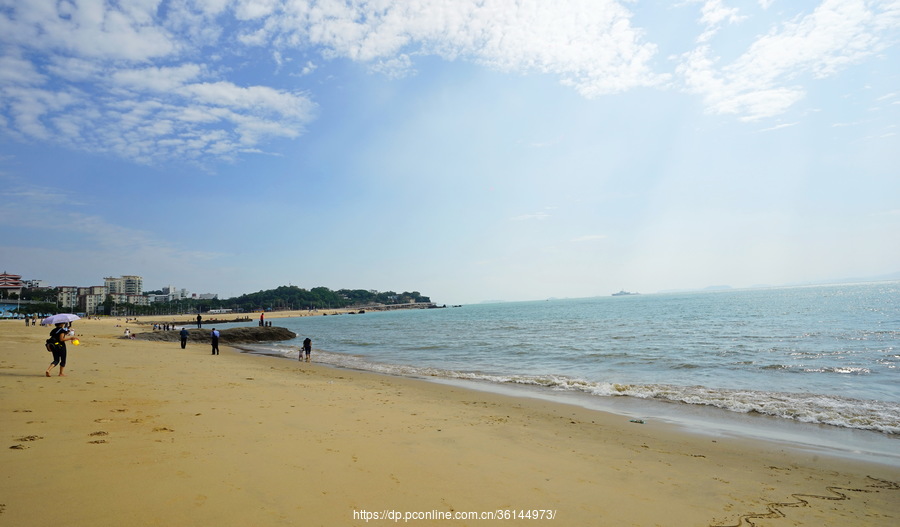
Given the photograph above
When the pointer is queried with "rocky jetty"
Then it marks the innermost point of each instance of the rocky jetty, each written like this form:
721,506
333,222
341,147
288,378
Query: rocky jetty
247,335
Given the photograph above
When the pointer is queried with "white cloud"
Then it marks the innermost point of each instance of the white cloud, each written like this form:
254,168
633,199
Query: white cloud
136,78
254,9
591,46
393,68
713,14
112,81
309,68
146,114
17,71
74,69
120,30
778,127
157,79
118,79
764,81
738,93
28,106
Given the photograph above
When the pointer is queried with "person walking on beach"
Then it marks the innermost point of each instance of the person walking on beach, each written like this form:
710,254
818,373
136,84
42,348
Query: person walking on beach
307,347
215,341
59,336
199,321
184,336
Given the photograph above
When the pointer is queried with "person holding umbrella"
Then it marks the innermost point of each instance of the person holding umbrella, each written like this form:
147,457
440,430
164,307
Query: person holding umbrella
58,336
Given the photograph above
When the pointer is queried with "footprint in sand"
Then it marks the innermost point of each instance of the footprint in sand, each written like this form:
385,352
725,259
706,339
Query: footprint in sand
98,441
100,433
18,447
29,438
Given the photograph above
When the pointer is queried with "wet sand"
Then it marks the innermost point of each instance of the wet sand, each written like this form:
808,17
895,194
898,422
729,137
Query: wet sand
145,433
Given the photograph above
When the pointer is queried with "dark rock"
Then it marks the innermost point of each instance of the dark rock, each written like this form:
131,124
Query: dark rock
246,335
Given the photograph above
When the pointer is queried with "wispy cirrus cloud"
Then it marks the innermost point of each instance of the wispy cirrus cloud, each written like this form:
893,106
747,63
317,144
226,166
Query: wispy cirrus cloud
529,217
714,13
779,127
764,81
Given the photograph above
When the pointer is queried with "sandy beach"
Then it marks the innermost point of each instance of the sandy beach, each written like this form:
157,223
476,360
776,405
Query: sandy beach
145,433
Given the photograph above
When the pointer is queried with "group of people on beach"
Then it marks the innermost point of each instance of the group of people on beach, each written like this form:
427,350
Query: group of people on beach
63,333
213,337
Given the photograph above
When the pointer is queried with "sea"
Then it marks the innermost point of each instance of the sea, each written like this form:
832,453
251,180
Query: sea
817,365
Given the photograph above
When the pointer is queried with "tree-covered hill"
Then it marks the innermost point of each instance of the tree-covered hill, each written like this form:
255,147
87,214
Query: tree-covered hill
280,298
293,297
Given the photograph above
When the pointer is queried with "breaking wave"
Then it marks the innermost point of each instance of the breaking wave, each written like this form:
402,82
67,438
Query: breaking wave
832,410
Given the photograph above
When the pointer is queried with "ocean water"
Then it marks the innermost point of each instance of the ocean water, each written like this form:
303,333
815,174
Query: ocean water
828,355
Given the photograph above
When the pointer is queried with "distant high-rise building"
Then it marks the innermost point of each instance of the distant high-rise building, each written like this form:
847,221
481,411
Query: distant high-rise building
67,296
125,285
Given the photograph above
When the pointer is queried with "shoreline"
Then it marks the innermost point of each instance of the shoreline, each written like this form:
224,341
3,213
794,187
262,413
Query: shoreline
146,433
825,438
851,443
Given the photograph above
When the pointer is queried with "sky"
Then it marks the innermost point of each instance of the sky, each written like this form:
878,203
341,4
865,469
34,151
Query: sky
470,150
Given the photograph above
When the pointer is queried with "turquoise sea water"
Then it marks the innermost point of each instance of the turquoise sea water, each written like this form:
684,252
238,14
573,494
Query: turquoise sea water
824,354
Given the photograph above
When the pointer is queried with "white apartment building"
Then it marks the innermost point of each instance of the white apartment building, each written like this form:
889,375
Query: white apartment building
127,285
67,297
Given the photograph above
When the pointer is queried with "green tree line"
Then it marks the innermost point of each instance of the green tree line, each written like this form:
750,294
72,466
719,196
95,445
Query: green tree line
293,297
280,298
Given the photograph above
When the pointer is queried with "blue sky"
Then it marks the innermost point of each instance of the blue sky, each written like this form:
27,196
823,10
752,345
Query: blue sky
469,150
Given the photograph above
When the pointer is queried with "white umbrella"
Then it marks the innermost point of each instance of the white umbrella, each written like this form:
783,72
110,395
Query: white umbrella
60,318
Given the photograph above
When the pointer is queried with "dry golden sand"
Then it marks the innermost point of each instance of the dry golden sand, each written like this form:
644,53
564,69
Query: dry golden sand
144,433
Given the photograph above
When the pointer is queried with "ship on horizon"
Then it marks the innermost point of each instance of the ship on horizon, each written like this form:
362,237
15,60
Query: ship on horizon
624,293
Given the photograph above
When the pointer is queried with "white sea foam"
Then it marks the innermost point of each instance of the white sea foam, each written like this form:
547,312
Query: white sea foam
808,408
